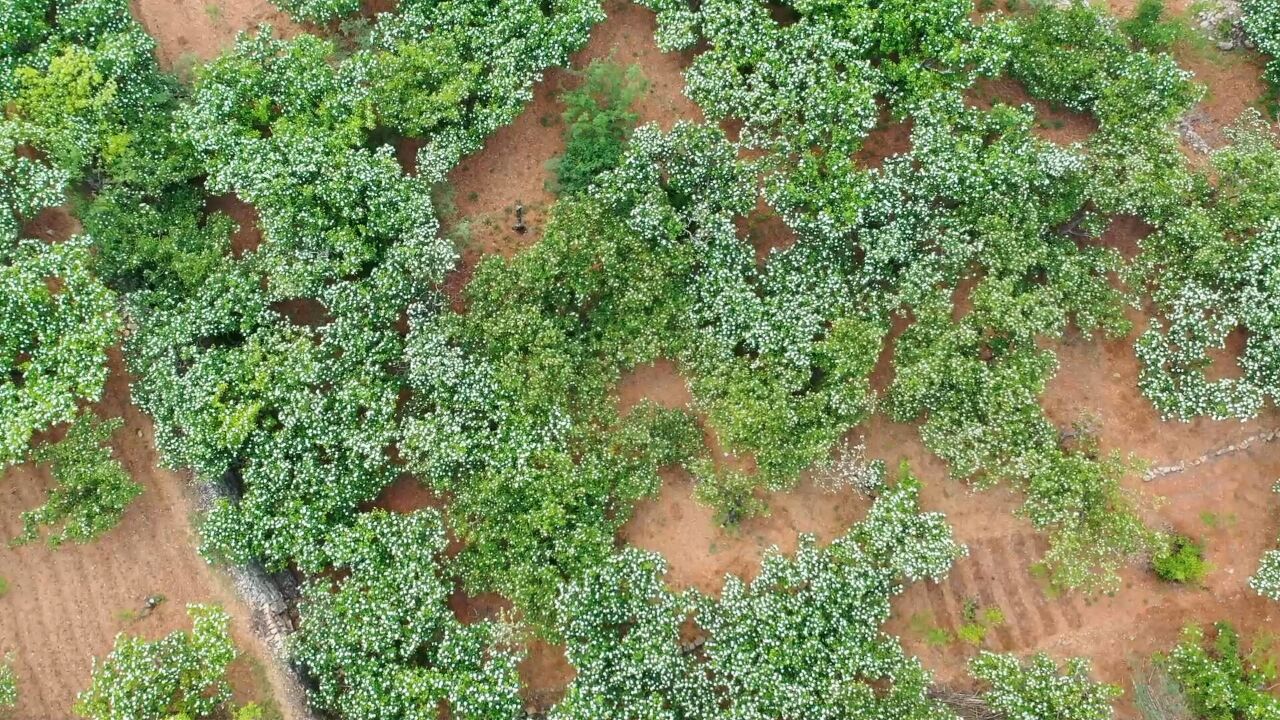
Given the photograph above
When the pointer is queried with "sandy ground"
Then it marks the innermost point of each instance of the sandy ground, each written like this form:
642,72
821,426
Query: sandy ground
63,607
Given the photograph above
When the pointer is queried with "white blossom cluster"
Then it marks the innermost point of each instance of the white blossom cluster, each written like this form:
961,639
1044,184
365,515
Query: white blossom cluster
56,323
383,643
1266,581
1036,690
182,674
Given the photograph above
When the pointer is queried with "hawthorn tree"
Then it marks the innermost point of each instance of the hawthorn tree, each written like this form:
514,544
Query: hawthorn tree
56,322
28,186
1266,581
1261,19
297,420
622,631
803,637
93,489
318,11
1037,689
1219,680
453,73
1212,269
511,410
382,643
180,675
330,207
8,686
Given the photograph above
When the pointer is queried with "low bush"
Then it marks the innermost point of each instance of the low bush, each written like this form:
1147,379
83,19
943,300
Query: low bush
1181,560
93,488
598,121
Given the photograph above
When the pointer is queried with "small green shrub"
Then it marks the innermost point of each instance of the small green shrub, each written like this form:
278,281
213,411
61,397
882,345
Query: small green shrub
972,633
729,492
1181,561
1148,30
598,121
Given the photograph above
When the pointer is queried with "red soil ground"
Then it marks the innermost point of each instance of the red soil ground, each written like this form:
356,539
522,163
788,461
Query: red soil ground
514,167
63,606
188,32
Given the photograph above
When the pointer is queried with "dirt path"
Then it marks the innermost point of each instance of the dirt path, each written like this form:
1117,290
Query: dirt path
65,606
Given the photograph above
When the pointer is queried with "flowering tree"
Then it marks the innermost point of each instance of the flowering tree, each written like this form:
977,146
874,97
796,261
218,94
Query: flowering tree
1218,679
382,642
8,686
329,206
1262,23
803,637
424,74
1212,266
182,674
1266,581
28,186
1036,689
298,421
512,414
56,322
622,627
93,488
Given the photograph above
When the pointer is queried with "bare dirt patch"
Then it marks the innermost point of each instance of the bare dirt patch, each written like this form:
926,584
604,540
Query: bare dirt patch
248,235
65,606
54,224
766,231
659,383
700,553
888,139
1055,124
513,169
192,31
